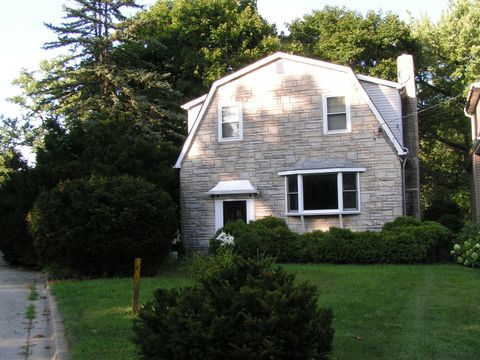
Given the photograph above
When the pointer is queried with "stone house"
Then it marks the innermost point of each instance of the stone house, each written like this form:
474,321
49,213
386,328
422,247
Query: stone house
472,110
304,140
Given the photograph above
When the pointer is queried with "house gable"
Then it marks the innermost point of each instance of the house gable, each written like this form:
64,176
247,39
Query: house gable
280,63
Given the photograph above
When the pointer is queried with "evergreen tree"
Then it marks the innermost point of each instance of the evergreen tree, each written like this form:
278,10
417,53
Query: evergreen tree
89,84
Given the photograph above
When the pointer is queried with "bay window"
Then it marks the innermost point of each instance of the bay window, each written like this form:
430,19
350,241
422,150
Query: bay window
322,192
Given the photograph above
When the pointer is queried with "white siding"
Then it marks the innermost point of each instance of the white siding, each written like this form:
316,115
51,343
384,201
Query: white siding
388,103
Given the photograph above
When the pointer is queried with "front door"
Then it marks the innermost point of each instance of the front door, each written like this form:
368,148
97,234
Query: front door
234,210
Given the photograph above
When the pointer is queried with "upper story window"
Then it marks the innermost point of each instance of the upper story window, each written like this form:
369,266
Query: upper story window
230,125
323,192
336,114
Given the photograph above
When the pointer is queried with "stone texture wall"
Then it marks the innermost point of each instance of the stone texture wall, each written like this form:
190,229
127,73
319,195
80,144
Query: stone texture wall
282,124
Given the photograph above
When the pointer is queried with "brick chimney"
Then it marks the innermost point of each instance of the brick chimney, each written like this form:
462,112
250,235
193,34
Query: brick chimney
406,77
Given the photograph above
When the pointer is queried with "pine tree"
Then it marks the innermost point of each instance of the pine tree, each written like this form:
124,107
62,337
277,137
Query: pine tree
90,84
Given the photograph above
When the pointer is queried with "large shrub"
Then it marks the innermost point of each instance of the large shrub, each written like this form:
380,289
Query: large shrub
17,195
97,226
447,213
404,240
241,309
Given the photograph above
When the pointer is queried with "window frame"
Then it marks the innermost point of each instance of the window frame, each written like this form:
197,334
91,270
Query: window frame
326,113
220,122
340,191
250,202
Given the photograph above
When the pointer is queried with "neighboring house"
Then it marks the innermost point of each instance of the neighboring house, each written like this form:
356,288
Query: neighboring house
304,140
472,110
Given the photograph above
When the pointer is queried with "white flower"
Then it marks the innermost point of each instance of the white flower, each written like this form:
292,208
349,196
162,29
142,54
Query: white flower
225,239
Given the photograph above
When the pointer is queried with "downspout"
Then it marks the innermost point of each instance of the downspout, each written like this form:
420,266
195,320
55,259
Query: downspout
404,190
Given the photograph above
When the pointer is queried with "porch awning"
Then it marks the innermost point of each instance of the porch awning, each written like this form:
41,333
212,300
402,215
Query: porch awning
233,187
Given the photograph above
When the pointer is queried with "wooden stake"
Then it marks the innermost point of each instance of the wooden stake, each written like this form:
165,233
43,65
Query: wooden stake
136,284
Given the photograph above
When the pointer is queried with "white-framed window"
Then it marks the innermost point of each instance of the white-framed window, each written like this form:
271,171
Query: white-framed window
230,122
336,114
232,209
322,192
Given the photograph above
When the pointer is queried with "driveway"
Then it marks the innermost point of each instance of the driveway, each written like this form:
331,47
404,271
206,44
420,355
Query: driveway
37,338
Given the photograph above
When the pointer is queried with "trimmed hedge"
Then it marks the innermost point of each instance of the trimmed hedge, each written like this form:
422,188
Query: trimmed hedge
97,226
404,240
241,309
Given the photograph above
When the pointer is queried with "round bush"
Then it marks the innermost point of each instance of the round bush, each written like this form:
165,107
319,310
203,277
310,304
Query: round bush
97,226
241,309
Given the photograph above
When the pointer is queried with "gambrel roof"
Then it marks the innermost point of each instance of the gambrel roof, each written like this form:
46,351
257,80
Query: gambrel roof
395,139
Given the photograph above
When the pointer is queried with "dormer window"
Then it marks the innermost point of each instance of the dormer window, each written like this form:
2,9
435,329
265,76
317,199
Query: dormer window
230,126
336,115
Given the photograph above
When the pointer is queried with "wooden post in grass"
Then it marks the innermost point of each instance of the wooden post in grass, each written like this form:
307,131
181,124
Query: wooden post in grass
136,284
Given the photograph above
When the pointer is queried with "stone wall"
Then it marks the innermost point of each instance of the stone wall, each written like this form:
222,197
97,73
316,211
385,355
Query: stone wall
282,124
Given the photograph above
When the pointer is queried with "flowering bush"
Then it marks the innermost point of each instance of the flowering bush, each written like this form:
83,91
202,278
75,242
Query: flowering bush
468,253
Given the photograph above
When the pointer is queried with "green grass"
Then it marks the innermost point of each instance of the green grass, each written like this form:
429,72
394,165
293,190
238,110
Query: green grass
381,311
400,312
97,314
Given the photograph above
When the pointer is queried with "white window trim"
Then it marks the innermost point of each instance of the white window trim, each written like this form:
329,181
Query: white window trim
240,122
340,210
219,210
325,113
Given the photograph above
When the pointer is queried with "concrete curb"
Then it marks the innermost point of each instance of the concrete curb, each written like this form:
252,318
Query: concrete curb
58,337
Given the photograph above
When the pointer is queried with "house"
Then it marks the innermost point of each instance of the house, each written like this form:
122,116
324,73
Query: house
304,140
472,110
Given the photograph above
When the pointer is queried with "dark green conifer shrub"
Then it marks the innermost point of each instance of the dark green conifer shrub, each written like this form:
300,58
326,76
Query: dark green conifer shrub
240,309
97,226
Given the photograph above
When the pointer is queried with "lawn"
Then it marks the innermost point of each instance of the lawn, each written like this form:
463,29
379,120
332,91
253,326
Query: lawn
381,311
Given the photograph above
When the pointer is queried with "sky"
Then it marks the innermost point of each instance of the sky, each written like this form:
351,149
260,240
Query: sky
23,32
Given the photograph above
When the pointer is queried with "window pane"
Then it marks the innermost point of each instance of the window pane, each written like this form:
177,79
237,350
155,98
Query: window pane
320,192
336,104
234,210
230,114
350,200
230,130
292,183
337,122
349,181
292,202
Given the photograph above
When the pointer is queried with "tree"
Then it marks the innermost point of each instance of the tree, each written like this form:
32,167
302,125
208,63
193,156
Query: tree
197,41
89,84
449,63
370,44
105,148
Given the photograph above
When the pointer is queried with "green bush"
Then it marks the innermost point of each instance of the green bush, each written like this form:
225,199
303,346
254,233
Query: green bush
17,195
447,213
269,236
240,309
97,226
405,240
467,249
